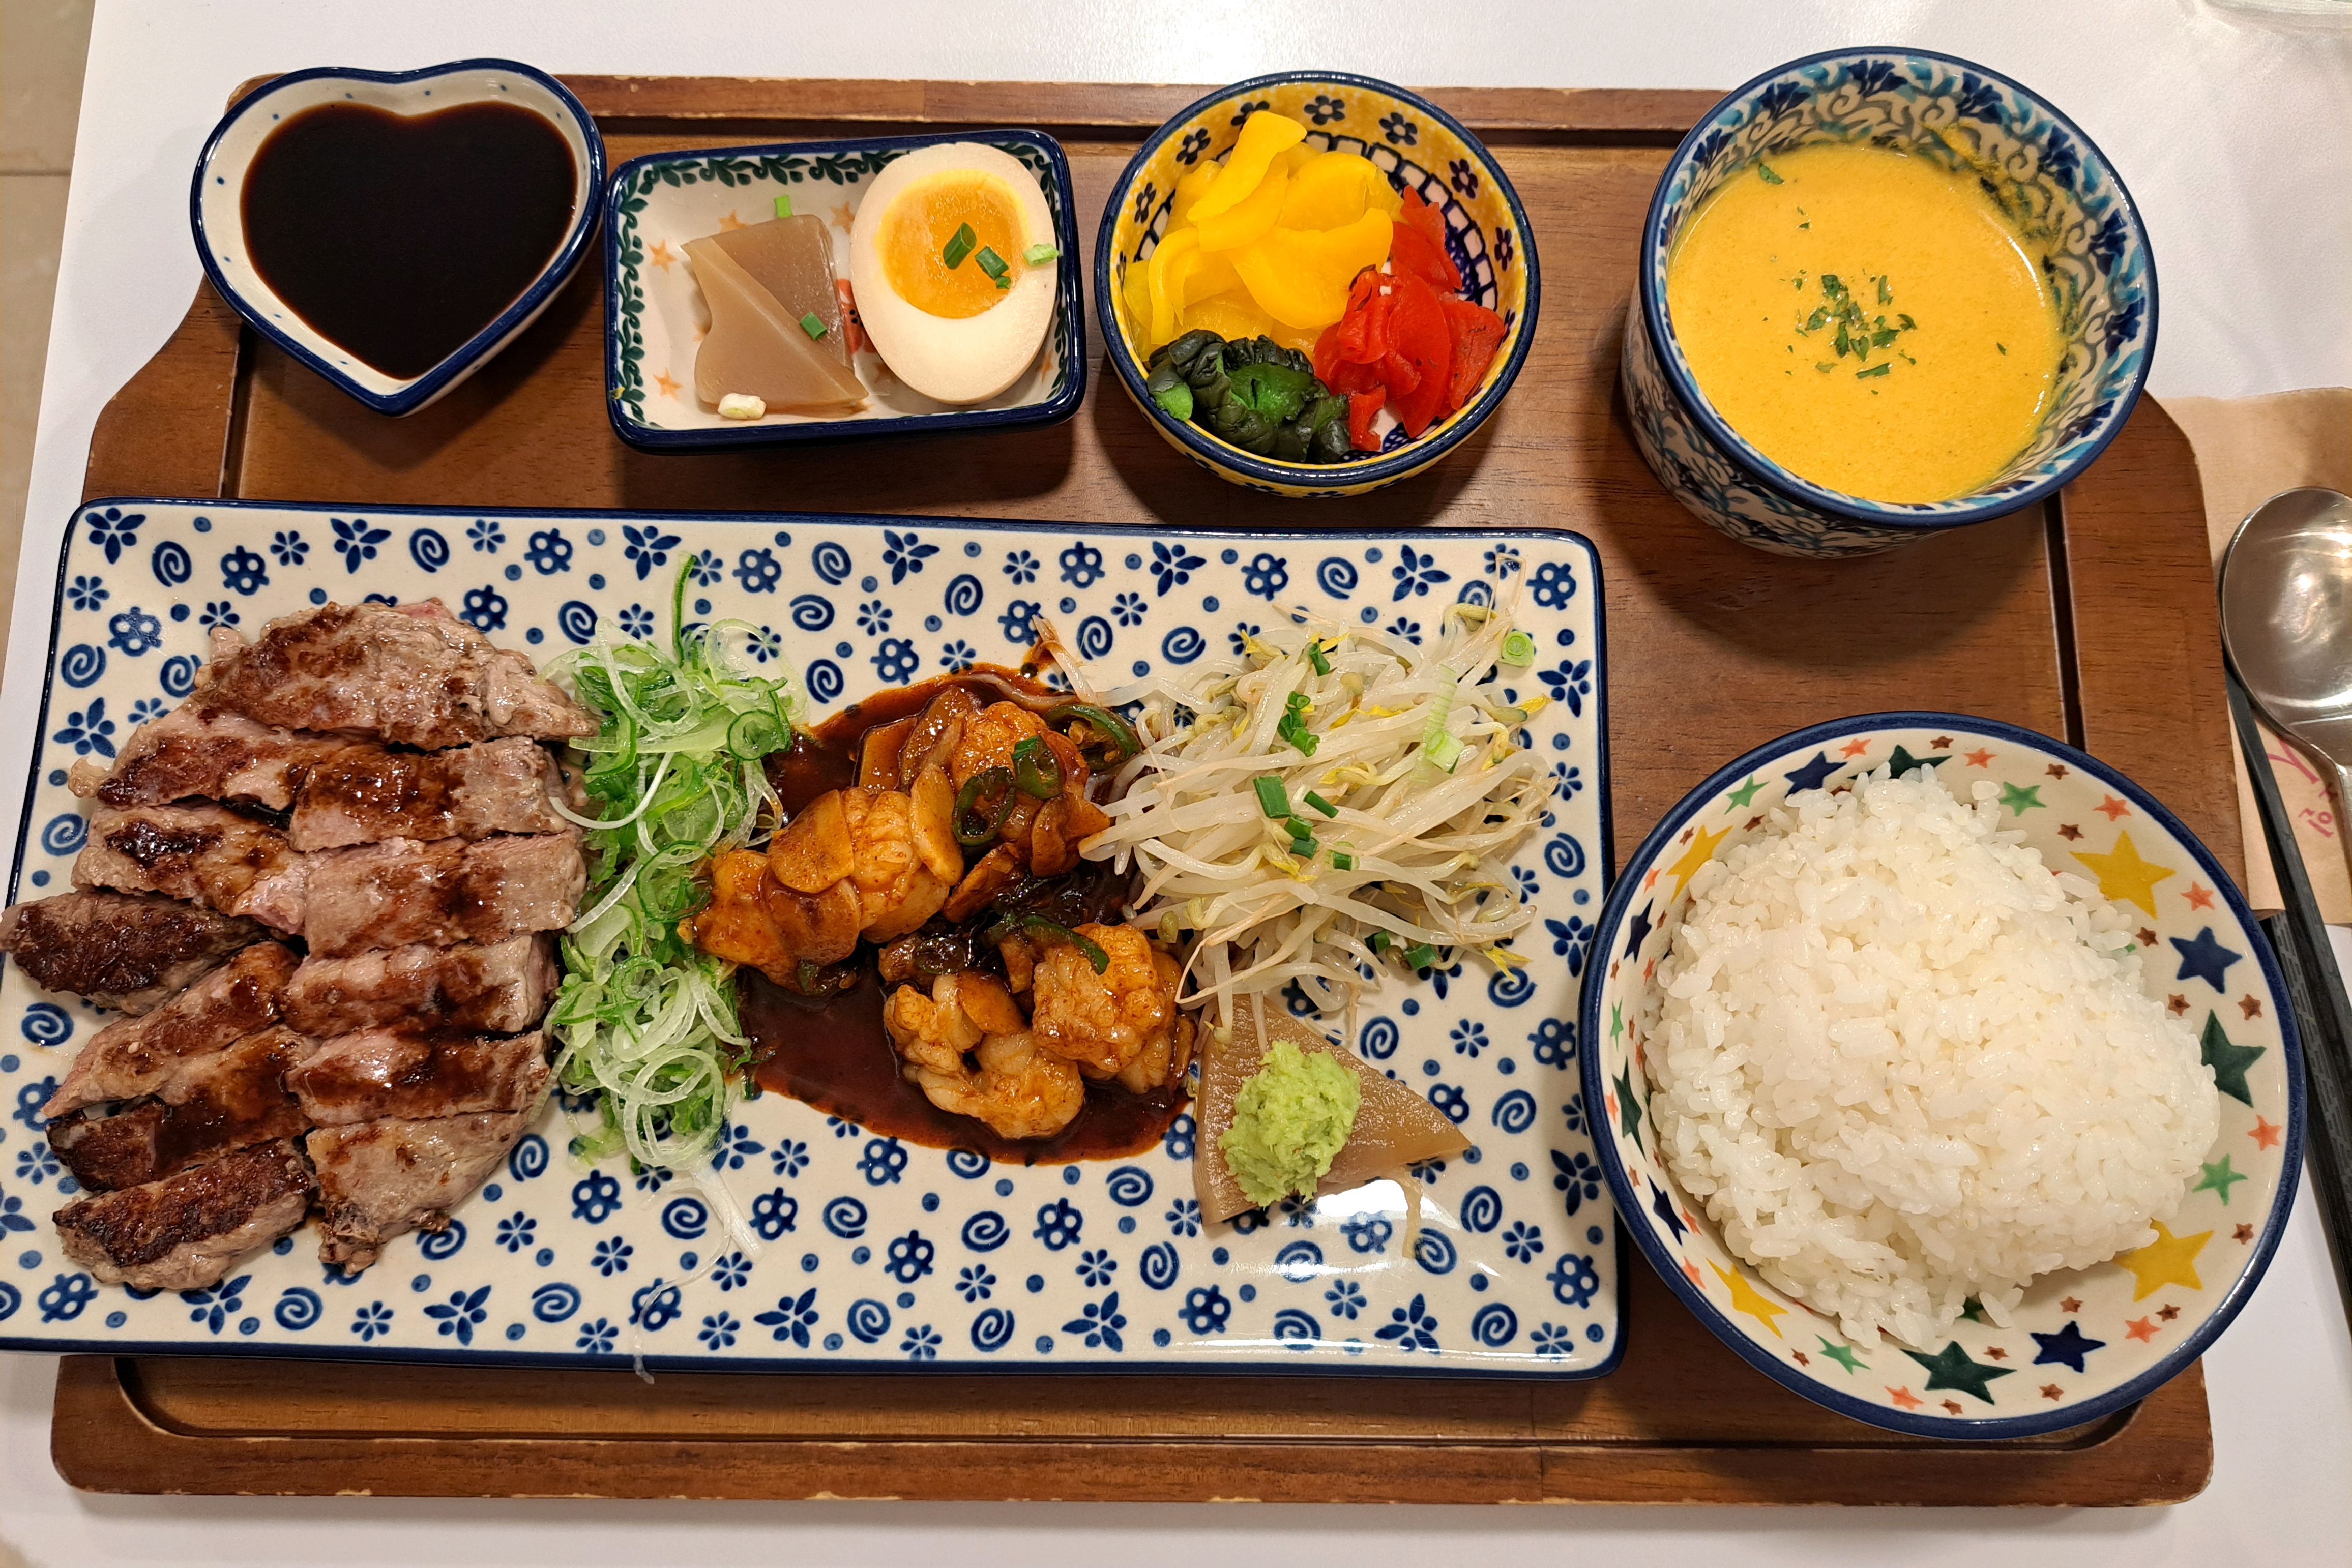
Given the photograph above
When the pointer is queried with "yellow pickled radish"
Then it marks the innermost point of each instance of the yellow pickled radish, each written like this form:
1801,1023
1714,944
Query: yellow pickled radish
1331,189
1249,218
1136,294
1173,247
1300,277
1188,193
1263,136
1209,274
1234,315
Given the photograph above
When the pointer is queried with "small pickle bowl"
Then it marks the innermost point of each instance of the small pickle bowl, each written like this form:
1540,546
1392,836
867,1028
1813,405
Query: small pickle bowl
215,201
1419,147
2083,1343
655,314
1961,116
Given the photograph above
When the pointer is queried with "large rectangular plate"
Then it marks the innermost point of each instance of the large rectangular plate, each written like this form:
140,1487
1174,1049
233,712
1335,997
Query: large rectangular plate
871,1253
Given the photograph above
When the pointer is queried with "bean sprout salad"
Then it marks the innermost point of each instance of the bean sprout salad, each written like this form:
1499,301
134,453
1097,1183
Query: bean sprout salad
1329,801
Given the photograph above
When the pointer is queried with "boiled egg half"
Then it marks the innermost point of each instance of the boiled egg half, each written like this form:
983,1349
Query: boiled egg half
938,261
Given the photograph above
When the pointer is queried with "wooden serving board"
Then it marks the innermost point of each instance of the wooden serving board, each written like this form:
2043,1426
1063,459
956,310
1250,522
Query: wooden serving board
2091,618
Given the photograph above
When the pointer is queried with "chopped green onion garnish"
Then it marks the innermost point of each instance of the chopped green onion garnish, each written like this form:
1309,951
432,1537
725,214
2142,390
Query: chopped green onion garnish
1303,847
959,245
1039,255
1420,955
1378,942
1342,860
1519,649
989,262
1293,726
1445,752
1317,657
813,324
1321,805
783,206
1272,798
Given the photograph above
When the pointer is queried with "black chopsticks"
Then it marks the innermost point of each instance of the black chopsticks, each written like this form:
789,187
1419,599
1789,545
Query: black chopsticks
2316,990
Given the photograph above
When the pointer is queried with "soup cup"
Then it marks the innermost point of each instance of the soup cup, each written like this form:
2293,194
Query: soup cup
2083,1343
216,198
1419,147
2046,173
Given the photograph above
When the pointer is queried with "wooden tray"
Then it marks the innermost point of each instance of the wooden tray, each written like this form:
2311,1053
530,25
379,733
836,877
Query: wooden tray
2091,618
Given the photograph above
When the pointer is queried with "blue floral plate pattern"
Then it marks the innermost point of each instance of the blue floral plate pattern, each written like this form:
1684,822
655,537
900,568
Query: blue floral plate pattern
863,1250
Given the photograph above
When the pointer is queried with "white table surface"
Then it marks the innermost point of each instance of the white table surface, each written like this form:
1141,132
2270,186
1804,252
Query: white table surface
2235,136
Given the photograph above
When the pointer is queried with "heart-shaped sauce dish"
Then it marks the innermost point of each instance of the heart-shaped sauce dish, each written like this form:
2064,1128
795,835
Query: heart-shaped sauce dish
393,230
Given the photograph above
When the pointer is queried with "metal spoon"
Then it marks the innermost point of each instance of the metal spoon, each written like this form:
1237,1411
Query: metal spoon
2286,619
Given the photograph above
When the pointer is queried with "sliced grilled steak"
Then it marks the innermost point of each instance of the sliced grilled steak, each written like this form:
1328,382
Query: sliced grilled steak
494,989
202,854
182,1233
189,754
231,1099
367,1076
382,1179
364,794
120,950
401,891
412,674
137,1055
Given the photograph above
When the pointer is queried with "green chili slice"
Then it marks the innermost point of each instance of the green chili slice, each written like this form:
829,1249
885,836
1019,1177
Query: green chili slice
1035,771
1108,724
1054,931
976,824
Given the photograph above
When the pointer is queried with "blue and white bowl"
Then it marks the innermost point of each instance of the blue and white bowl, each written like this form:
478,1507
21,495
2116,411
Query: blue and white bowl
2083,1343
1958,115
1418,146
216,209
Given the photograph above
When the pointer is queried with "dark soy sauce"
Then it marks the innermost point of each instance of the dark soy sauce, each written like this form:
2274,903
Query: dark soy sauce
835,1055
400,236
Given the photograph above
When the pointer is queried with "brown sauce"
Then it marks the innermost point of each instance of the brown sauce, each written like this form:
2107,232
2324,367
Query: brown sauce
400,236
835,1054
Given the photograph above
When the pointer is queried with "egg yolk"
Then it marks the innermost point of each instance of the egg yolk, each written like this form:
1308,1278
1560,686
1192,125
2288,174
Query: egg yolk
921,222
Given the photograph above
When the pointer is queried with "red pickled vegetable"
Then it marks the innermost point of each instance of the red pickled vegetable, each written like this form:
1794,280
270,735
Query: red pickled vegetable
1362,407
1476,332
1423,219
1421,354
1412,251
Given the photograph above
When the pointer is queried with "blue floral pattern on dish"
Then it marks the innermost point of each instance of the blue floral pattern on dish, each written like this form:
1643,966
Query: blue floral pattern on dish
870,1250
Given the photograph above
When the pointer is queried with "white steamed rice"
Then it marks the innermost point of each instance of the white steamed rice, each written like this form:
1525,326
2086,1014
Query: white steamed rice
1903,1063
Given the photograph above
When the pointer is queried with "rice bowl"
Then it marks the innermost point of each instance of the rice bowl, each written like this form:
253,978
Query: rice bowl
1906,1066
2080,1343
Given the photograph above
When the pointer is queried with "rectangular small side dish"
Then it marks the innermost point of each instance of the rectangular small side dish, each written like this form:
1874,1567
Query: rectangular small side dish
854,1250
655,315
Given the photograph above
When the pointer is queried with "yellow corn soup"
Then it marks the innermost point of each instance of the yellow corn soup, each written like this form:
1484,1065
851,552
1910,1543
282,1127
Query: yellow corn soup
1868,321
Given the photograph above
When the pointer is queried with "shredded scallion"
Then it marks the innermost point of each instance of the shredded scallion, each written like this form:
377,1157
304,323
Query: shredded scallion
673,776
